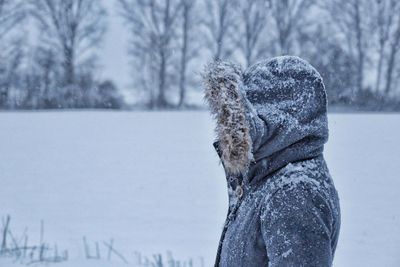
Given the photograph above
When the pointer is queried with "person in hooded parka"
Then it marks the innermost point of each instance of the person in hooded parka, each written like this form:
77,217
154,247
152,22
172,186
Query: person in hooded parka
271,127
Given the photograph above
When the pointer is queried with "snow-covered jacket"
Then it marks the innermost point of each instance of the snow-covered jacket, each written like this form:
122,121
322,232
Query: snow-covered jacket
271,129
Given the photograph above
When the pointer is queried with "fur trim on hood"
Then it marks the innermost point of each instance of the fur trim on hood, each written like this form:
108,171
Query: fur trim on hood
225,98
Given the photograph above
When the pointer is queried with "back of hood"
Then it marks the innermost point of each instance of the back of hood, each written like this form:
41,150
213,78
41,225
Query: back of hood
272,114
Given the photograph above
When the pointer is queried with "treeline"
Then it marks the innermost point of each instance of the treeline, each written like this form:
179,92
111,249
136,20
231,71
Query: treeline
58,68
353,43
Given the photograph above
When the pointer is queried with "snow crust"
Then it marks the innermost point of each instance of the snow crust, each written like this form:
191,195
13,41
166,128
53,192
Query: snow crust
152,181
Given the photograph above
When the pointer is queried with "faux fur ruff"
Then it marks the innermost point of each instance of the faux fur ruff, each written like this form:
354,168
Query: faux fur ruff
222,81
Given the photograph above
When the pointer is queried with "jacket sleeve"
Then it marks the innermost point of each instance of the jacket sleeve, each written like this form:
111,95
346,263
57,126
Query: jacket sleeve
296,225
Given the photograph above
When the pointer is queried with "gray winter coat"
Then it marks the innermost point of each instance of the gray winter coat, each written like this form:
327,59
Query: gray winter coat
271,129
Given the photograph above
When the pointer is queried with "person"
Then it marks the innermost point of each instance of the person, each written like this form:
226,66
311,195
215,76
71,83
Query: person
271,127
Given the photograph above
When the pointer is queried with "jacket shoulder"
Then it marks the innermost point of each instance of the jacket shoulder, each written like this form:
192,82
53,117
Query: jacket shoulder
307,180
299,221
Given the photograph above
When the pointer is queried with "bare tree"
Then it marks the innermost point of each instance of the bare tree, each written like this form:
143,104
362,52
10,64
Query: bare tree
71,28
288,17
41,77
393,51
153,27
253,15
190,44
12,13
384,21
351,18
221,24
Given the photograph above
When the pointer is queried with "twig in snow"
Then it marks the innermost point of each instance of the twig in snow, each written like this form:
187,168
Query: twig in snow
115,252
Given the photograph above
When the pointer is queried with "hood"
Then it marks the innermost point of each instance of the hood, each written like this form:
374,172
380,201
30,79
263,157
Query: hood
267,116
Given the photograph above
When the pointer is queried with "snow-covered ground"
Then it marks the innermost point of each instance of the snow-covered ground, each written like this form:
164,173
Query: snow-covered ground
153,183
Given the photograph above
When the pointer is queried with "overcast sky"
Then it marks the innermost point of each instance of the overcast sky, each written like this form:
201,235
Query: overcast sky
113,52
